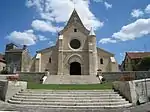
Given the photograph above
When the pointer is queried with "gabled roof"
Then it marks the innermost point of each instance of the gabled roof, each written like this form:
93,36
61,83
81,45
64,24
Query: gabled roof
137,55
75,19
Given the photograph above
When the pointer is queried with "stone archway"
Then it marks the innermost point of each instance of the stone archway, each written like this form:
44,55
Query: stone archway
75,68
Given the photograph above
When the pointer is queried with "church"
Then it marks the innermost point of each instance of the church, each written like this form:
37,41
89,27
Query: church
75,53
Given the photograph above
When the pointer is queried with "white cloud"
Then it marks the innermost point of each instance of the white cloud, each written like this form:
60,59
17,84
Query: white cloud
22,38
51,43
134,30
147,9
107,40
98,0
107,5
136,51
137,29
61,10
42,38
43,26
137,13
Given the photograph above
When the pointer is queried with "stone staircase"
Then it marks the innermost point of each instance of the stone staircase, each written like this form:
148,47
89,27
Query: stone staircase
70,99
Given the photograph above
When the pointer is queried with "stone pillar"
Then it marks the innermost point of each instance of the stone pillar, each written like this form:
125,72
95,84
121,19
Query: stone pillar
92,55
38,63
60,55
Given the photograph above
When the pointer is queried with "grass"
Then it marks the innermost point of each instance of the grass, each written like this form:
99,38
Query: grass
107,85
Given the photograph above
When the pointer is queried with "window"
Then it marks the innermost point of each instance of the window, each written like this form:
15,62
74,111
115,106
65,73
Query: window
50,60
75,44
75,30
101,61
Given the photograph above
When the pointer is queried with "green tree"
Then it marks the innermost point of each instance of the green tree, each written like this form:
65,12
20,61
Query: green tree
144,64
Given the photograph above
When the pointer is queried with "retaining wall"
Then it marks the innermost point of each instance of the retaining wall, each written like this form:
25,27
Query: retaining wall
136,91
10,88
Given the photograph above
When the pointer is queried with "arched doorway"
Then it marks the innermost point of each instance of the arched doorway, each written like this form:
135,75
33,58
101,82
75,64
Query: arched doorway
75,68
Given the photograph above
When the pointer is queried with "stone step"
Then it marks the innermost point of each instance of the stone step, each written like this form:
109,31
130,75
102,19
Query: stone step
92,108
53,92
67,94
67,97
44,90
73,99
69,103
68,100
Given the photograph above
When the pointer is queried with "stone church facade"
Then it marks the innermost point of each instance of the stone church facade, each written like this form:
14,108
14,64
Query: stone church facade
75,53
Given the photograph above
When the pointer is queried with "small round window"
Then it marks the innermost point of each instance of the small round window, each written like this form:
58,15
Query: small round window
75,44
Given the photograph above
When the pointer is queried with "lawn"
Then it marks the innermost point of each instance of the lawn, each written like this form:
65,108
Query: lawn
107,85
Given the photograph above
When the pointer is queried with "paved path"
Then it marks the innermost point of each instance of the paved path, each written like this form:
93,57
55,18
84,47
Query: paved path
7,107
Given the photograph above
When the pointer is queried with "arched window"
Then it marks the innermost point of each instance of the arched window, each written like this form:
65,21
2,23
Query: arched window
50,60
101,61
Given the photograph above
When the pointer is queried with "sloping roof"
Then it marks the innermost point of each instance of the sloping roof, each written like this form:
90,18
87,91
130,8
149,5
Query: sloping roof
136,55
104,51
43,50
75,19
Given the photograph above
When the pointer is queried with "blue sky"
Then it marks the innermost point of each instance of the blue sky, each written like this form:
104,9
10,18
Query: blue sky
120,25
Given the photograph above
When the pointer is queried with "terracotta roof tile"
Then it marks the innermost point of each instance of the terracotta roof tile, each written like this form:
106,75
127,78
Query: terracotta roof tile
136,55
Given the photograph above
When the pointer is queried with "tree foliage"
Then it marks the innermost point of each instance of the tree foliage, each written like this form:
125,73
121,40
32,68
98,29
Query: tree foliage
144,64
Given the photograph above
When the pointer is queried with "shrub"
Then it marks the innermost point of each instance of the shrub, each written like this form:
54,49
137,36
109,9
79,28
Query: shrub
13,77
4,72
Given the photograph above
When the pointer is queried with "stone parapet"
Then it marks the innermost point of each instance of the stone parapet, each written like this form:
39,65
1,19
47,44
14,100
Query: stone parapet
10,88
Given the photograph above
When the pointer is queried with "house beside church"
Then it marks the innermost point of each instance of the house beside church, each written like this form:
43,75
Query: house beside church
132,59
75,53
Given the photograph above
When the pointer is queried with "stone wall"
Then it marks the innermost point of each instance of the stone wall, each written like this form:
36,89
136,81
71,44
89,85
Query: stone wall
26,76
125,89
2,65
13,60
10,88
26,61
31,77
115,76
3,89
136,91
